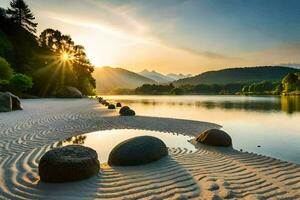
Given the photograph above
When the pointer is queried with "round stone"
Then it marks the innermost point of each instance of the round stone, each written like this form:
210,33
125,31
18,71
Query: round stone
214,137
111,106
126,111
119,105
137,151
69,163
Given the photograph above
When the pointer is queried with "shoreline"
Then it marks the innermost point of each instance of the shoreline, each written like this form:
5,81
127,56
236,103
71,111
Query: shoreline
206,173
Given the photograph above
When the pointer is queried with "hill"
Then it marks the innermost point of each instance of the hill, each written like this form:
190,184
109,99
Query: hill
239,75
178,76
109,79
160,78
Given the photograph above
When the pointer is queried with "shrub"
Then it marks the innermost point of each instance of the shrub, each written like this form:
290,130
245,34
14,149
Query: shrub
20,83
6,71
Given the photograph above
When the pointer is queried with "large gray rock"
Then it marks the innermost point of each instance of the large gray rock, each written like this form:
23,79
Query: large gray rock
137,151
9,102
69,163
5,102
16,102
68,92
126,111
214,137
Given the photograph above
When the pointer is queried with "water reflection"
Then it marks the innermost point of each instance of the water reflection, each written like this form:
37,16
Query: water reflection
269,122
80,139
104,141
285,104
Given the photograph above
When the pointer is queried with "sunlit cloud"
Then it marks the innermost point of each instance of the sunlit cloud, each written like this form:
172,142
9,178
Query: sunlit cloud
173,35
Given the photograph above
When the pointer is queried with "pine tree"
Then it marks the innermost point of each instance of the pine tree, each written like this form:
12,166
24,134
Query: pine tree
22,15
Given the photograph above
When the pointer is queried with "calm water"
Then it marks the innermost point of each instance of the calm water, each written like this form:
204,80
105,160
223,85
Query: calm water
104,141
271,122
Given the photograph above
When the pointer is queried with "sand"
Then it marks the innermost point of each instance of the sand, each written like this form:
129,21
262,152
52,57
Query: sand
207,173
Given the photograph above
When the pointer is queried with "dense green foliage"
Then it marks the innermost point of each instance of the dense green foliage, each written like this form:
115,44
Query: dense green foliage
49,62
291,83
20,83
189,89
154,89
238,75
6,71
263,87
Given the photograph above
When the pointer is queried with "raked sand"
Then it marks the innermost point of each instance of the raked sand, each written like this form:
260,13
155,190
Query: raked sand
208,173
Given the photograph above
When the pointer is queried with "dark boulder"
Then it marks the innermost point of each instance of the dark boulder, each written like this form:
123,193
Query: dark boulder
69,163
214,137
9,102
119,105
16,102
5,102
126,111
111,106
68,92
137,151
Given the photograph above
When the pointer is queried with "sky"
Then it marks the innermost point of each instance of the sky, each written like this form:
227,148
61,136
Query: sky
178,36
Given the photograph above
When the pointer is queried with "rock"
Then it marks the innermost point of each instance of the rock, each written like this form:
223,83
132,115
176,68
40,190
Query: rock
5,102
137,151
68,92
9,102
100,99
111,106
69,163
214,137
126,111
119,105
16,102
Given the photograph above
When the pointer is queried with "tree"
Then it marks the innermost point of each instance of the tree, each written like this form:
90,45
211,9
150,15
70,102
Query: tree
20,83
6,71
66,62
22,15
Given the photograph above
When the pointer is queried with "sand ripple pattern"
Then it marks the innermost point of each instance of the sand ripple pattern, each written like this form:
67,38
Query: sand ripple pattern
207,173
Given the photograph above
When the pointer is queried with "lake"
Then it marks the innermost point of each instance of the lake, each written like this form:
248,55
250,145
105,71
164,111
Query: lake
264,125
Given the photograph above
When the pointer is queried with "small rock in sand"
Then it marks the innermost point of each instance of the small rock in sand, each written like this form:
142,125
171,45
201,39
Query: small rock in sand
119,104
126,111
111,106
214,137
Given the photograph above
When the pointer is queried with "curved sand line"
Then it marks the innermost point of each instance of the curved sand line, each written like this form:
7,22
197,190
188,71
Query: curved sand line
207,173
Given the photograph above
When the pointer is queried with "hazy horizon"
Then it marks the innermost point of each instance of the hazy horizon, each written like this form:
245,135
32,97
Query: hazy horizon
181,36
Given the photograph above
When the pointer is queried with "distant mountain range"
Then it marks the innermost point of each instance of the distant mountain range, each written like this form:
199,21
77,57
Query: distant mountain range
160,78
109,79
235,75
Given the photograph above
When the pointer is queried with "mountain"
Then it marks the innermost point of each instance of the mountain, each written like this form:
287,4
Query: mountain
109,79
176,77
235,75
160,78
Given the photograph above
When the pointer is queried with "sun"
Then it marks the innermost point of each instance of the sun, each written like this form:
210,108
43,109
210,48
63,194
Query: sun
66,56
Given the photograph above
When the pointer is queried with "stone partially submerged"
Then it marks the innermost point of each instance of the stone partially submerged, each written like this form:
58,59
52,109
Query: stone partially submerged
137,151
215,137
69,163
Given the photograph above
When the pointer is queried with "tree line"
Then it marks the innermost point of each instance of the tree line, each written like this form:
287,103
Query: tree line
39,65
289,85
